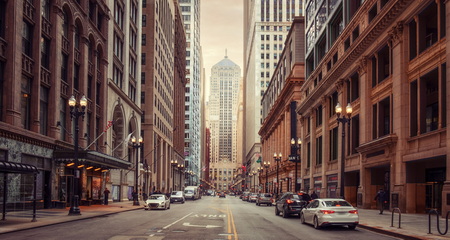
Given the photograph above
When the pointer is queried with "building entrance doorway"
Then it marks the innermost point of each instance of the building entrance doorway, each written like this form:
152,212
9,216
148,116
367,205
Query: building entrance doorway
433,196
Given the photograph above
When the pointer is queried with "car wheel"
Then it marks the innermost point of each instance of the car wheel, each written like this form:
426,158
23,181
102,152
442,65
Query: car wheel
302,218
277,213
284,213
316,222
351,227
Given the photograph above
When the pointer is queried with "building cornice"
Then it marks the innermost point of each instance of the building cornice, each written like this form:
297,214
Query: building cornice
380,24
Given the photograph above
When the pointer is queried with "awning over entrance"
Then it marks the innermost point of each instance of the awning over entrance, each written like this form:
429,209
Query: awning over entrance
93,158
13,167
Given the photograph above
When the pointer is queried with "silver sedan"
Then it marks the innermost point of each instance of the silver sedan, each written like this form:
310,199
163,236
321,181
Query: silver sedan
157,201
330,211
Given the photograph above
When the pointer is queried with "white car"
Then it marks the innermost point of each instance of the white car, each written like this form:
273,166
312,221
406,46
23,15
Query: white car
157,201
330,211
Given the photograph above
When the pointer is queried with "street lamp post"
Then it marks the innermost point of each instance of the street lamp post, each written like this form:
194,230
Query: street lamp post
254,181
344,119
180,167
260,170
251,176
267,165
136,144
191,176
76,110
174,164
295,158
277,159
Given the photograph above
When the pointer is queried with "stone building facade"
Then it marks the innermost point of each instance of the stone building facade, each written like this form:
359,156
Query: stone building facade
387,60
50,51
280,119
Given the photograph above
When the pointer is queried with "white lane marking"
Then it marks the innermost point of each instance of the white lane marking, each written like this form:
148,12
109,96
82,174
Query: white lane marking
176,221
201,226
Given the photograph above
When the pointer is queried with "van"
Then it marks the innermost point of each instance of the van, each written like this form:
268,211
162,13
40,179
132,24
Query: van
191,192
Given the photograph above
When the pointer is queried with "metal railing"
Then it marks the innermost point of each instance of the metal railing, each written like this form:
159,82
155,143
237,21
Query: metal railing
394,210
434,211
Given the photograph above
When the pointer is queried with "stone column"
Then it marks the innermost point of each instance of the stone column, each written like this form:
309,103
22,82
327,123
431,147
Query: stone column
446,188
400,119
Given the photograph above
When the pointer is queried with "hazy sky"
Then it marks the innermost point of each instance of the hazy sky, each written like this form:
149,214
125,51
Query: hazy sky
221,27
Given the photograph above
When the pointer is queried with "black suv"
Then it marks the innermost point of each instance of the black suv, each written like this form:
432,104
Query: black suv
291,203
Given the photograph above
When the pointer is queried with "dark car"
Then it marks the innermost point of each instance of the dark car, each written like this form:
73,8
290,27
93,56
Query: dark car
264,198
291,203
222,194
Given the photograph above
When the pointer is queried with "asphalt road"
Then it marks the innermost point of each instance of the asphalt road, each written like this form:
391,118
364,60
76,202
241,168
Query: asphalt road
208,218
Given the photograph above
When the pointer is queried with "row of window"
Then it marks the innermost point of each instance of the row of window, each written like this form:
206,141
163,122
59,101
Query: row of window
275,37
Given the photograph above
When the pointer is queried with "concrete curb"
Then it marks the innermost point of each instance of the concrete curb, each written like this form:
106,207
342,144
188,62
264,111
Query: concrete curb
390,233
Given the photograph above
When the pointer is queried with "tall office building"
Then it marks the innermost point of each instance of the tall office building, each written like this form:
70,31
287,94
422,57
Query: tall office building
124,88
191,17
266,24
223,104
157,102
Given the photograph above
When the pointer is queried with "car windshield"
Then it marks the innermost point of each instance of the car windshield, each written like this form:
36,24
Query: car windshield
337,203
188,191
176,193
157,197
267,195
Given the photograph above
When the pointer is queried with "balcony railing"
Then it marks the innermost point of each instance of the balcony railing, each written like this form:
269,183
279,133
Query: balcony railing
45,76
27,64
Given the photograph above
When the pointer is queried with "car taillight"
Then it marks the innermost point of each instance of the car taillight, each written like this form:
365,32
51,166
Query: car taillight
289,201
353,211
327,211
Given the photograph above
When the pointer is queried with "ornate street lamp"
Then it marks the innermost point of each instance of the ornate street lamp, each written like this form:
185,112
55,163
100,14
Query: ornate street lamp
136,145
295,145
254,181
251,176
77,109
344,119
174,164
267,165
180,168
277,158
260,170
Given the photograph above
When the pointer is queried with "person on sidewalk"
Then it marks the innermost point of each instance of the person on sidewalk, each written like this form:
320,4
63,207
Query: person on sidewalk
106,195
381,199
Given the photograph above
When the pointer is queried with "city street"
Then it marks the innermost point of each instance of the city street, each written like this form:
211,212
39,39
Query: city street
207,218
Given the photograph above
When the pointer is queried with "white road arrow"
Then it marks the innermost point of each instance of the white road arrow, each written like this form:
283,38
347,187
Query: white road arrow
201,226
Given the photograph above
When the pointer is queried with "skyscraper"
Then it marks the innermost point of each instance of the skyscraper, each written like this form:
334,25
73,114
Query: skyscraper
223,104
191,16
266,24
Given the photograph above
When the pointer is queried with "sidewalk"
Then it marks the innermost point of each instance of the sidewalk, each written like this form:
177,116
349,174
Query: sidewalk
16,221
413,226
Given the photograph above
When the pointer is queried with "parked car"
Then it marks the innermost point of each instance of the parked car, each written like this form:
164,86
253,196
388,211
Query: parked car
222,195
157,201
252,197
245,196
330,211
264,198
177,196
291,203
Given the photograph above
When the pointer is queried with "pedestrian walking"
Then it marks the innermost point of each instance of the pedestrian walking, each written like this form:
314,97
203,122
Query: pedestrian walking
381,199
314,195
106,195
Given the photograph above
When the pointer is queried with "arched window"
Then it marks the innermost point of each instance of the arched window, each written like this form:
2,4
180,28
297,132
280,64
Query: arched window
65,25
76,37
